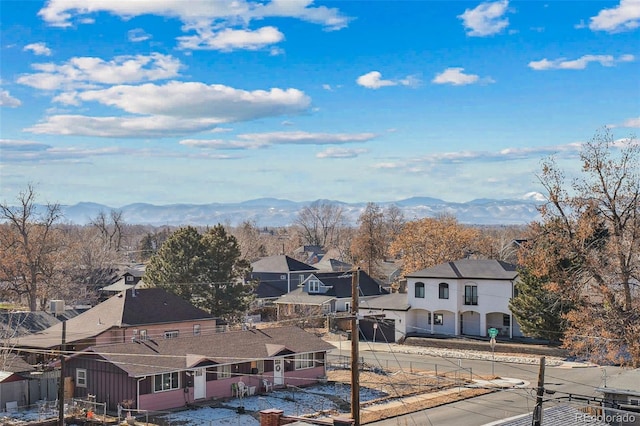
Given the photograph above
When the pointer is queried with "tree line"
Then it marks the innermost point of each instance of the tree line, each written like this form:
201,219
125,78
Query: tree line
580,260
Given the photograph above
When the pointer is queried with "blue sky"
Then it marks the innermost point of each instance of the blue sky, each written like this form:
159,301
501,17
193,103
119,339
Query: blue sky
198,101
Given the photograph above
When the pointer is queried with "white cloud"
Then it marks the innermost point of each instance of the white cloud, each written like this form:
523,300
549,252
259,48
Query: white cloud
219,144
632,122
374,80
341,153
193,99
175,108
88,71
137,35
624,17
21,145
486,19
457,77
306,138
38,49
230,39
209,20
569,150
262,140
578,64
133,127
6,100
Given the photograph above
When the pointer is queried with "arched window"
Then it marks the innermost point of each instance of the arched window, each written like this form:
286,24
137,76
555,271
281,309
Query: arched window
443,291
420,290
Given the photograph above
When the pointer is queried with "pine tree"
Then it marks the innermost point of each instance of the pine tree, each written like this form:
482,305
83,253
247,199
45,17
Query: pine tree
538,308
206,269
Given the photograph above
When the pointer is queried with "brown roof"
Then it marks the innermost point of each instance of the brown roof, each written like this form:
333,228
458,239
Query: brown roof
166,355
147,306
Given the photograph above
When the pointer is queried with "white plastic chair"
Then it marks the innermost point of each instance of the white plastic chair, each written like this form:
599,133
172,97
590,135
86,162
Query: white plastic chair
268,386
242,389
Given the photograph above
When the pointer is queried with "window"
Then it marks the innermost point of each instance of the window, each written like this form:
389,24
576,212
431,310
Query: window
443,291
470,294
172,334
135,334
304,361
257,366
420,290
438,319
81,377
166,382
506,320
224,371
283,277
196,329
347,306
129,278
314,286
429,318
144,335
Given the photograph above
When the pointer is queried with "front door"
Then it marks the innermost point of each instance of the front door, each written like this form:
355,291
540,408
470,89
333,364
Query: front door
199,384
278,372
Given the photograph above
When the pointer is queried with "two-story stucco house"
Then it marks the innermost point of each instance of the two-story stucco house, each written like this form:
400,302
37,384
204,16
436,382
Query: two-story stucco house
465,297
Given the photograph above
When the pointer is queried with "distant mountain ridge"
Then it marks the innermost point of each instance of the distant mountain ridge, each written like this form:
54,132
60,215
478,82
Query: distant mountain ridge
274,212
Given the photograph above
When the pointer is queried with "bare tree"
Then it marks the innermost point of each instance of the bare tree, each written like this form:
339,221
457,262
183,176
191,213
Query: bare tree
320,223
111,228
28,245
369,244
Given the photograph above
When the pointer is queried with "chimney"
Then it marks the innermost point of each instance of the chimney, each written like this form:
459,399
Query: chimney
270,417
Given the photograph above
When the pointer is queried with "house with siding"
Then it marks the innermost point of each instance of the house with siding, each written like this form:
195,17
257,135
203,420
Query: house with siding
278,275
465,297
326,293
160,374
143,314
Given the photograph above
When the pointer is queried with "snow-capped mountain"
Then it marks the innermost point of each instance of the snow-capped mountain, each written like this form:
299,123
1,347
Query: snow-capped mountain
278,212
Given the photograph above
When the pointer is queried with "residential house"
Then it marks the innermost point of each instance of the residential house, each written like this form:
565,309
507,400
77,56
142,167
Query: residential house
385,317
329,264
160,374
130,278
151,313
465,297
325,293
622,398
278,275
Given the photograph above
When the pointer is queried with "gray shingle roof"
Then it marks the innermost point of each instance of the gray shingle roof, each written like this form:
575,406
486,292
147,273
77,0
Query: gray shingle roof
166,355
470,268
280,263
387,302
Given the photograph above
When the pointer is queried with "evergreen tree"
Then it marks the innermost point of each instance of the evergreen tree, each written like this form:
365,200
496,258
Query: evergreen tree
539,309
205,269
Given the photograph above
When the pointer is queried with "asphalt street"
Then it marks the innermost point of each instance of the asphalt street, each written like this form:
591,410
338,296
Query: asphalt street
571,384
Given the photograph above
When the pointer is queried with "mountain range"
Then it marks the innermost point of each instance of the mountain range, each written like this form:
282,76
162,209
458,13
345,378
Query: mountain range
273,212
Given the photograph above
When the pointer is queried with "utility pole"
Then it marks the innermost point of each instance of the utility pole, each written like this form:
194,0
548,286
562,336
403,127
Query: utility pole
355,337
61,386
537,412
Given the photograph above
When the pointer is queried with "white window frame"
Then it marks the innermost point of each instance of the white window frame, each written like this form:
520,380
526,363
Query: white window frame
144,335
304,361
314,286
223,371
171,334
438,318
197,329
173,382
81,377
